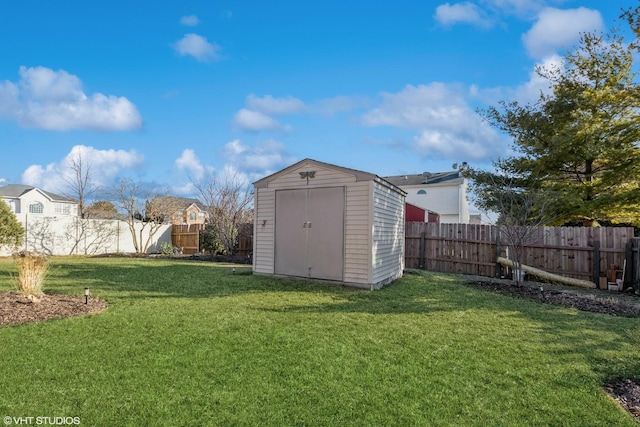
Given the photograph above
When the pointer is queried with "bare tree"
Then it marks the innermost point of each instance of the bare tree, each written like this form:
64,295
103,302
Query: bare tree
87,235
144,211
102,209
228,202
79,185
521,212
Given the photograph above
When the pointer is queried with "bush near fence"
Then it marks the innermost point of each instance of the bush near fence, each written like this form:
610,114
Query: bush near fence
585,253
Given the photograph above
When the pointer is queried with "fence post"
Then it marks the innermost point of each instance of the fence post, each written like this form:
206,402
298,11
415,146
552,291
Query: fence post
596,263
498,253
423,236
635,264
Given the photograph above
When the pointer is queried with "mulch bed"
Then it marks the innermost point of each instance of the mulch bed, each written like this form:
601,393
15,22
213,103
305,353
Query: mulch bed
16,309
626,391
596,302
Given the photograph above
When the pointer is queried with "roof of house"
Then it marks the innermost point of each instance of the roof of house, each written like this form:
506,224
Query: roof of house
426,178
14,191
184,202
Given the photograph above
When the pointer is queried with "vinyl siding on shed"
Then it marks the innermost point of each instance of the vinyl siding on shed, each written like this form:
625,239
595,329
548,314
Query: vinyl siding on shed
373,221
264,235
357,233
388,234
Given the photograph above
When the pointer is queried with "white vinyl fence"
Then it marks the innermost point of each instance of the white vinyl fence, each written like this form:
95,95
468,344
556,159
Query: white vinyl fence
68,235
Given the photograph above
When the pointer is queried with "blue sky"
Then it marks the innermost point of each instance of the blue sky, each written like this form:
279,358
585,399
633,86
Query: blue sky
163,92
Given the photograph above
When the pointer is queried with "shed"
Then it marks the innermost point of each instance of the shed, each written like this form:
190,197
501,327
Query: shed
321,221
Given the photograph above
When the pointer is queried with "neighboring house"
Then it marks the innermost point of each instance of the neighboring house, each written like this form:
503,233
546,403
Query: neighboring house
188,211
417,214
27,201
442,192
53,226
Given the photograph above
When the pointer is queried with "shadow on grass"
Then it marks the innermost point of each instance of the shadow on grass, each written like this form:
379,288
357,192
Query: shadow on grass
593,337
151,278
597,339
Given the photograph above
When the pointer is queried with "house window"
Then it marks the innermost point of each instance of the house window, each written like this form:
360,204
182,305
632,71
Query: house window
36,208
62,208
422,192
192,216
201,215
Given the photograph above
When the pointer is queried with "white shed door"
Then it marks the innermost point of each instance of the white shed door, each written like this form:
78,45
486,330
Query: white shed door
310,233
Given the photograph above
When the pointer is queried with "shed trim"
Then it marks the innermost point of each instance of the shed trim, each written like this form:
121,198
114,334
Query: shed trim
359,175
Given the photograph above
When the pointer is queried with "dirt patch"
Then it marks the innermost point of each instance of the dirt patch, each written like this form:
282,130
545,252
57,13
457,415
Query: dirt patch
16,309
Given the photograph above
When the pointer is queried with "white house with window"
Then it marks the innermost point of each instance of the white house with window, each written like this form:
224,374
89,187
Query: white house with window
26,201
442,192
53,226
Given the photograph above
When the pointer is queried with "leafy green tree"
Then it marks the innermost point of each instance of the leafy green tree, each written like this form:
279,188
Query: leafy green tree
11,231
580,144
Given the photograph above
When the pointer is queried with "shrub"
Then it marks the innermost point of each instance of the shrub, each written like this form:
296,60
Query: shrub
166,248
32,269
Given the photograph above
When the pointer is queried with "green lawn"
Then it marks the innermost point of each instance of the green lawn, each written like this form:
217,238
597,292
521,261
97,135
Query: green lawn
192,344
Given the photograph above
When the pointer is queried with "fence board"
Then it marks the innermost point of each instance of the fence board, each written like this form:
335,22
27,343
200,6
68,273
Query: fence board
473,248
186,237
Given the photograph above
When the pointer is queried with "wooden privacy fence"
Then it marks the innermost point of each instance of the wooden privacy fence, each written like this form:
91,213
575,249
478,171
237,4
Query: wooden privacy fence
586,253
187,237
245,240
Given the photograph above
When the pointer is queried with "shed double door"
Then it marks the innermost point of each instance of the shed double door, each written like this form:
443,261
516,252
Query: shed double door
309,238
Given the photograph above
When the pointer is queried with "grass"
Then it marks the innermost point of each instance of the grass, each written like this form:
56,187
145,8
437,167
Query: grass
187,343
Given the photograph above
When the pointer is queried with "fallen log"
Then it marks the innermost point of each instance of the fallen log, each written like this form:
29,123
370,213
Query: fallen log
549,276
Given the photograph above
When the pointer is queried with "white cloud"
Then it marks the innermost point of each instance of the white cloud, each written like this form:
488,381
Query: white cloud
250,120
55,100
447,126
266,157
275,106
521,8
103,167
190,20
198,47
190,162
466,12
338,104
525,93
530,91
557,29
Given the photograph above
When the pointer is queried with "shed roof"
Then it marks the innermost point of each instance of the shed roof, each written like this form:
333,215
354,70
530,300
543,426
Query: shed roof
359,175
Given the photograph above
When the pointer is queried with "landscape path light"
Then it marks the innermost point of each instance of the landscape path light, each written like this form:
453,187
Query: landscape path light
87,292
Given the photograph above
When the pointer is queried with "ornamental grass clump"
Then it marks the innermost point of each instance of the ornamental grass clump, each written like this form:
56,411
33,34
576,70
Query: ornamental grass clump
32,269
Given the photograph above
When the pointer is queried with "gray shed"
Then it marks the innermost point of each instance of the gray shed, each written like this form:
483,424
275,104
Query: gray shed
321,221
